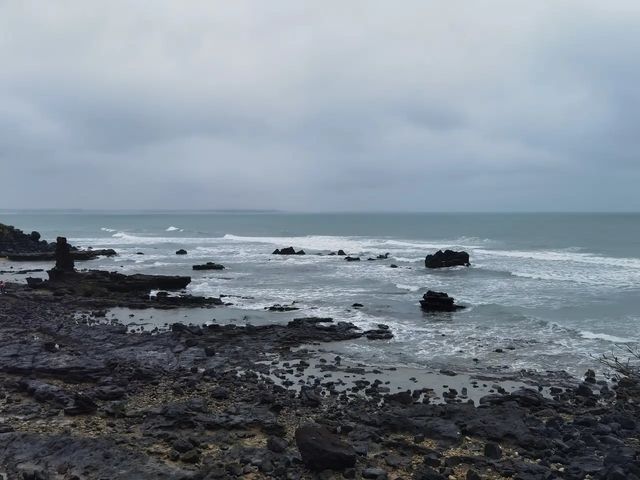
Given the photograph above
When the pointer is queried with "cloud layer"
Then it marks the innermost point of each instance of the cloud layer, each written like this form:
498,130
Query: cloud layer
363,105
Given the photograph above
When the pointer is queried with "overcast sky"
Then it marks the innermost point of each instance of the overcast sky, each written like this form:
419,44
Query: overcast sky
320,105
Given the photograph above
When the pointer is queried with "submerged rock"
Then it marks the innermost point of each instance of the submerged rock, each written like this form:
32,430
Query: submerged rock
209,266
438,302
448,258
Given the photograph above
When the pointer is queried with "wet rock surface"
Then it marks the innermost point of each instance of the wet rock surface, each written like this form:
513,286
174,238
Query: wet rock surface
288,251
448,258
438,302
80,398
209,266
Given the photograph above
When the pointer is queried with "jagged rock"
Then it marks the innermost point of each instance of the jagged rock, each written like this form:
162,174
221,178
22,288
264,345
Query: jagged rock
288,251
438,302
209,266
98,283
448,258
321,450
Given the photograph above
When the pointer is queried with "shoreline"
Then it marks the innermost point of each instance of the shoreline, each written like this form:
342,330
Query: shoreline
88,401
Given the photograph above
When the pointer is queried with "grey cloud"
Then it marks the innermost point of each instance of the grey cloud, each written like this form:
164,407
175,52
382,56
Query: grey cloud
320,105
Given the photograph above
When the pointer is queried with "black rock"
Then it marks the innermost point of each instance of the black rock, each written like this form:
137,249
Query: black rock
209,266
448,258
277,444
182,251
288,251
321,450
375,473
493,451
438,302
341,253
352,259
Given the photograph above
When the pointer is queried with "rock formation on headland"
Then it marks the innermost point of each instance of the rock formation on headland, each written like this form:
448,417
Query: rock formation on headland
19,246
438,302
13,240
448,258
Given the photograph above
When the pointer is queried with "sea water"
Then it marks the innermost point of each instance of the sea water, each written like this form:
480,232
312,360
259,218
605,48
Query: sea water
551,291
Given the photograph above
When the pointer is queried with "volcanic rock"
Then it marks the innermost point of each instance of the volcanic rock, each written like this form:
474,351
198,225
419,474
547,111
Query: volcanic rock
321,450
288,251
448,258
209,266
438,302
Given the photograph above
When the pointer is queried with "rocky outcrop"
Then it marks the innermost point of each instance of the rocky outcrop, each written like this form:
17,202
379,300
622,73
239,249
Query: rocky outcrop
438,302
101,284
14,241
18,246
322,450
182,251
77,255
287,251
209,266
448,258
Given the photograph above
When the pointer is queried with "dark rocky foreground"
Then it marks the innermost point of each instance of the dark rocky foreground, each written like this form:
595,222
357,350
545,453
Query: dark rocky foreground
81,398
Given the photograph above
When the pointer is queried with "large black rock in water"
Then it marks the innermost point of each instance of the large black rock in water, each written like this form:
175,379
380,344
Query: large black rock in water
448,258
209,266
438,302
322,450
287,251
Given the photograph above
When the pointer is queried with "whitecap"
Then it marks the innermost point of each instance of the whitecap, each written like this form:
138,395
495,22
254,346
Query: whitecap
411,288
172,229
604,336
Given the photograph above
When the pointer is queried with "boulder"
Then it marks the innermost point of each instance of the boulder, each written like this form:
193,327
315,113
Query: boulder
438,302
448,258
322,450
352,259
209,266
182,251
288,251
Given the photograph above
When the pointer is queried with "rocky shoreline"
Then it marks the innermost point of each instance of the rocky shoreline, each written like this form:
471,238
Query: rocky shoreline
83,397
88,400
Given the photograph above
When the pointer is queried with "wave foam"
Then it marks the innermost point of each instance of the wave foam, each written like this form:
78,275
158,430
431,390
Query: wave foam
172,229
604,336
565,256
105,229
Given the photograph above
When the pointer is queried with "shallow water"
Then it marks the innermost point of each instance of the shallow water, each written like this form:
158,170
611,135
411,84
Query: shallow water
551,290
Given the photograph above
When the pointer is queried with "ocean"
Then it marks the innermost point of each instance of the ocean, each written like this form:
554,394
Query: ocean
552,291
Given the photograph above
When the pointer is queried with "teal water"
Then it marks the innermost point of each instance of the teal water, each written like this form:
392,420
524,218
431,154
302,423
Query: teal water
558,288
